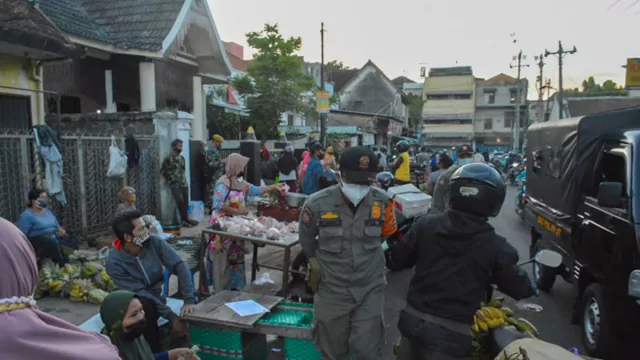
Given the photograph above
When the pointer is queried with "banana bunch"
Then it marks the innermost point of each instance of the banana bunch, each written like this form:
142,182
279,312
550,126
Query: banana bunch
494,314
96,296
83,256
80,289
103,281
90,269
49,272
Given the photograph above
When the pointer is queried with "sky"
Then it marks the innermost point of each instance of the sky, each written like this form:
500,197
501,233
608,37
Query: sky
401,36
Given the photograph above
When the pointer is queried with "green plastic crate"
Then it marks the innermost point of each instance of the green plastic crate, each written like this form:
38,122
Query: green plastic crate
226,345
296,304
287,318
296,349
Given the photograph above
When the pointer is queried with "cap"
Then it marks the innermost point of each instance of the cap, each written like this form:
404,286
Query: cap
358,164
218,138
465,149
288,148
316,146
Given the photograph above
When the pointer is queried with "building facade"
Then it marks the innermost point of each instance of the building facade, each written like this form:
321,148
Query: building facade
495,114
448,112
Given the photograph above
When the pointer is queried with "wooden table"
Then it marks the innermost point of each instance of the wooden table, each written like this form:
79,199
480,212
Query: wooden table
285,244
213,314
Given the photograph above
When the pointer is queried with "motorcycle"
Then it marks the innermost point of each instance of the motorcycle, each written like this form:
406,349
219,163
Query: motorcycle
521,180
513,172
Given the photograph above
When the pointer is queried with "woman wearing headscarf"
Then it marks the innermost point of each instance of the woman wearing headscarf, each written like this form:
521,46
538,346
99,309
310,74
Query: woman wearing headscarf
127,197
329,159
286,166
306,158
228,200
31,334
124,322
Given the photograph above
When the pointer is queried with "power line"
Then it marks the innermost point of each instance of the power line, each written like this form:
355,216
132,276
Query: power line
632,5
614,4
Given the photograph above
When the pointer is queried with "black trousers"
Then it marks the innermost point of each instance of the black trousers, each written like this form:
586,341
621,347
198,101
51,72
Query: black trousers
152,333
181,197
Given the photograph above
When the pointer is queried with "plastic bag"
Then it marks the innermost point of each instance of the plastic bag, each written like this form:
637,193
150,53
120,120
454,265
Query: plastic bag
153,224
196,211
265,278
117,160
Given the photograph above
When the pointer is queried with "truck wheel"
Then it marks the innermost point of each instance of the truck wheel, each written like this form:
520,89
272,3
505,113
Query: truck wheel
544,276
596,334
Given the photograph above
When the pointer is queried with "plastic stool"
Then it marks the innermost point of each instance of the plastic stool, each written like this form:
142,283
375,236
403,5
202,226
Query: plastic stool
167,277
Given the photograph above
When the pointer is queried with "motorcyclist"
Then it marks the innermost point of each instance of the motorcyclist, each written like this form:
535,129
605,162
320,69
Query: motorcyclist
382,158
402,166
456,255
440,199
423,157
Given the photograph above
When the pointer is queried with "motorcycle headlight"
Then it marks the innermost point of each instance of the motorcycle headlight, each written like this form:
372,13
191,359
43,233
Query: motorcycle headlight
515,165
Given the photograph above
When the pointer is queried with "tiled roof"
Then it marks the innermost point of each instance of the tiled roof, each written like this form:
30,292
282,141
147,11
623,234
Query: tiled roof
340,78
237,63
20,15
401,80
127,24
500,79
586,106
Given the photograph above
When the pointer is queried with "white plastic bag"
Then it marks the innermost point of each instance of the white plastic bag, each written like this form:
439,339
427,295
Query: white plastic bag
196,211
117,160
153,224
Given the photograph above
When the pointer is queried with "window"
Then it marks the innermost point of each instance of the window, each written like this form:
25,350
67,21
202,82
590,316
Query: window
290,120
462,96
513,96
509,119
437,97
490,97
611,168
15,111
488,124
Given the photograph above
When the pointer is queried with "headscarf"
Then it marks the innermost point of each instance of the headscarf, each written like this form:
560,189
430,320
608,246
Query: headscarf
306,157
265,155
233,166
112,312
329,159
28,332
124,196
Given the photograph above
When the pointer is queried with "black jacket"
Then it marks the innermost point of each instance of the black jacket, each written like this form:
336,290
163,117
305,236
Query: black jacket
456,256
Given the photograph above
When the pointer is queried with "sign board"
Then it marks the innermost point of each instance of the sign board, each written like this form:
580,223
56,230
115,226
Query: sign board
389,129
633,73
368,139
322,102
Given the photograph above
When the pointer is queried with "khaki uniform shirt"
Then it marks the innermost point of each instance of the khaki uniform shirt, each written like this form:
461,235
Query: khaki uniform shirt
347,245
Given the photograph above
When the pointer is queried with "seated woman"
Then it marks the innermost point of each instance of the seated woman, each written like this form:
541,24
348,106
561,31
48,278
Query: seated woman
229,196
42,228
127,197
124,319
136,263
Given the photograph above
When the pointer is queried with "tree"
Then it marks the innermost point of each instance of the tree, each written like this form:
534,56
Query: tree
415,111
591,88
335,65
275,80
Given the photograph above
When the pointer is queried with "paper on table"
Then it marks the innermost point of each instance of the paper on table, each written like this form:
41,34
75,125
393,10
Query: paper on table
247,307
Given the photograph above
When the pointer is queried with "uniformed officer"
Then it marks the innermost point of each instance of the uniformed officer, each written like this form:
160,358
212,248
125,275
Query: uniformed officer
341,232
440,200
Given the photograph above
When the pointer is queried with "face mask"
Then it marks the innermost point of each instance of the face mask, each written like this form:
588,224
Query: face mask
206,148
136,330
42,203
141,240
462,162
355,193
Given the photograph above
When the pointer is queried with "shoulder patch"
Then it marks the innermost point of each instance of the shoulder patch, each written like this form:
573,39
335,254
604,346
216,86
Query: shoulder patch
306,216
441,182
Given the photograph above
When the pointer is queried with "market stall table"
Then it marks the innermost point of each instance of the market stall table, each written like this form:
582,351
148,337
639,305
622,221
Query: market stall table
285,243
219,331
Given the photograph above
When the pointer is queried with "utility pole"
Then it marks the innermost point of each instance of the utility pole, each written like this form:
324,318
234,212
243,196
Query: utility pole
548,88
516,126
561,53
540,82
323,118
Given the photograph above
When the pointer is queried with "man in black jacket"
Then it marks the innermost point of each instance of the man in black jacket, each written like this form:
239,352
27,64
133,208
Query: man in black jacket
456,255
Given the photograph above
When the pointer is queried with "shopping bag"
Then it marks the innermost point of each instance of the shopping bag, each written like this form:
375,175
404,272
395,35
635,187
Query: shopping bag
117,160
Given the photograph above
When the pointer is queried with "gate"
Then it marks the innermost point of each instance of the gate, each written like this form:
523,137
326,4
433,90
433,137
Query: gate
91,195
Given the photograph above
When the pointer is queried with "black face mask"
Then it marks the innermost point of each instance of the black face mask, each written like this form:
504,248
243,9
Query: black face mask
135,331
320,156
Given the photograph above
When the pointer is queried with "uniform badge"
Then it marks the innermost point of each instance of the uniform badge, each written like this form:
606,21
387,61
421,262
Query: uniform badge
328,218
376,210
306,216
441,182
364,162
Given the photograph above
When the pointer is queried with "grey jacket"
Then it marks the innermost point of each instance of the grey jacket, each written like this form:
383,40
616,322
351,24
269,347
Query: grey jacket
144,274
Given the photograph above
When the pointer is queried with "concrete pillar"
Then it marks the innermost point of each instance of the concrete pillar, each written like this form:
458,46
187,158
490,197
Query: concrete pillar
147,86
108,90
199,125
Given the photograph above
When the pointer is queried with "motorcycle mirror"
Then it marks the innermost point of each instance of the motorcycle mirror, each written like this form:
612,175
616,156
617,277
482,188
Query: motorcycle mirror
548,258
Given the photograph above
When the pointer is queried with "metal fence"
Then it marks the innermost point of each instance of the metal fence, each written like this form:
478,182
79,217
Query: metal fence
91,195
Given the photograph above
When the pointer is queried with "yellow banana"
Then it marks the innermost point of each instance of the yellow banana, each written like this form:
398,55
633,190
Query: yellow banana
526,325
486,311
495,313
511,321
483,326
501,321
506,311
475,328
480,315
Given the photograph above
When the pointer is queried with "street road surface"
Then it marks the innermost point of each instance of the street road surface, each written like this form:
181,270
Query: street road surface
553,323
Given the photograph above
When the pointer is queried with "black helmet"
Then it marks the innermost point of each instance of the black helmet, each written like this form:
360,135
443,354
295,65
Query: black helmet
374,148
464,149
383,149
385,179
477,189
402,146
328,178
358,165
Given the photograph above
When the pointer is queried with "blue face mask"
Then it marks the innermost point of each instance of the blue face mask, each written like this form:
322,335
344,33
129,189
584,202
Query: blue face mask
462,162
